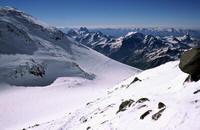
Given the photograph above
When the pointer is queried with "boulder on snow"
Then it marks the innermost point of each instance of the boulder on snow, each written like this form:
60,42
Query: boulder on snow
190,63
141,100
145,114
157,115
125,104
161,105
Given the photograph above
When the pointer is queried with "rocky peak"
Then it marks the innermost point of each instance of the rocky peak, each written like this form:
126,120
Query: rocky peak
148,38
99,33
72,32
187,38
83,29
175,39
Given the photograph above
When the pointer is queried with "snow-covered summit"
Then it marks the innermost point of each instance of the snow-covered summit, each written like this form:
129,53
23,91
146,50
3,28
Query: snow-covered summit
6,12
6,9
136,35
130,33
186,38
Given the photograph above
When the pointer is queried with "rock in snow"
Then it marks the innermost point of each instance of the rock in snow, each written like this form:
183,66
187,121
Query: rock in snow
190,63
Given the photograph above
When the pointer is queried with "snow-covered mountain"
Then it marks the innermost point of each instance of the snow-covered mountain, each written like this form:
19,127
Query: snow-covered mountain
33,53
136,49
148,51
91,39
156,99
156,31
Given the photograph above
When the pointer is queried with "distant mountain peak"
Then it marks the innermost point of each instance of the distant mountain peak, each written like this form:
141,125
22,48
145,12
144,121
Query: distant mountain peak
149,36
136,35
130,33
187,38
99,33
72,32
84,29
175,39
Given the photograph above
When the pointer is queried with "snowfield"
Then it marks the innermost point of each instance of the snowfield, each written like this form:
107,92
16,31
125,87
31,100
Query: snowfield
156,99
49,73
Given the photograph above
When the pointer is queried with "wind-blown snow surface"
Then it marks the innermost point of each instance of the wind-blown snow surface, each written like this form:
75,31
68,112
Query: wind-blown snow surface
35,54
158,99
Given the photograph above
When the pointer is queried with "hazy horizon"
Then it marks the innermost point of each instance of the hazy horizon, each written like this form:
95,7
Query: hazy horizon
126,27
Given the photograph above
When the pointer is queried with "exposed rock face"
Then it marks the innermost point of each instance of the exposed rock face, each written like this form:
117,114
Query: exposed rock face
190,63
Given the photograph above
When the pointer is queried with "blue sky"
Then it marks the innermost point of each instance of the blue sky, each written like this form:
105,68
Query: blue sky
181,13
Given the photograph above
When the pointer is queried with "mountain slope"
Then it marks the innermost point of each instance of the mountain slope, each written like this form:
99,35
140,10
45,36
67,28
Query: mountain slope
33,53
157,99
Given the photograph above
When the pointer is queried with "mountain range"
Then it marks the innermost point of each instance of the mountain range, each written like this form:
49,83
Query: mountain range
155,31
135,48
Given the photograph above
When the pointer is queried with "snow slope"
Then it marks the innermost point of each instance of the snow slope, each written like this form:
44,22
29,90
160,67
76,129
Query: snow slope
33,53
158,99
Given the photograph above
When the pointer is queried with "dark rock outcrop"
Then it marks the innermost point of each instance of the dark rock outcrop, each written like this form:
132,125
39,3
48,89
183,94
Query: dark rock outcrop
157,115
124,105
145,114
190,63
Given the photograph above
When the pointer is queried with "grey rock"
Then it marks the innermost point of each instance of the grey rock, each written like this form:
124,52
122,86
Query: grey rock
190,63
